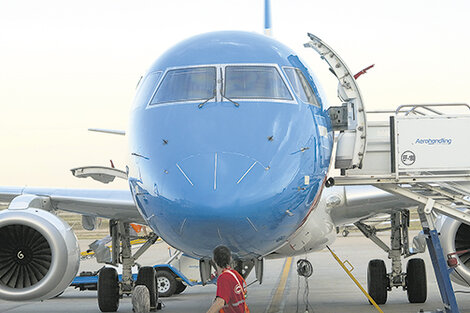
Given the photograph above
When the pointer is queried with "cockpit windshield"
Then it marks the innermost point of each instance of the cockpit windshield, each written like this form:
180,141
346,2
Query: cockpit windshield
212,83
255,82
187,84
146,88
301,86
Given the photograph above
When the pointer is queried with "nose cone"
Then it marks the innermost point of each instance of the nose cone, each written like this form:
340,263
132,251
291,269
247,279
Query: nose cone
228,175
221,179
219,202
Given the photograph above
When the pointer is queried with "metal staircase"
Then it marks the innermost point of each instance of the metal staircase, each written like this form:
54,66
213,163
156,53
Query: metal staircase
419,152
421,175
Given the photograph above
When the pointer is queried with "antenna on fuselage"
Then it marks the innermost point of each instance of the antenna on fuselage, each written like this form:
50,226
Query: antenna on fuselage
267,18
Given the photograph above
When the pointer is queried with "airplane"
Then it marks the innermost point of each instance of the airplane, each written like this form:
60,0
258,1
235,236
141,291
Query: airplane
230,142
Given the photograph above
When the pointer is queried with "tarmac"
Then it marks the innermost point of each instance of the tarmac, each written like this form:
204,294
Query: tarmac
330,290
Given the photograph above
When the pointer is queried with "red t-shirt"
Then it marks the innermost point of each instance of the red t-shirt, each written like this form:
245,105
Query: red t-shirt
230,289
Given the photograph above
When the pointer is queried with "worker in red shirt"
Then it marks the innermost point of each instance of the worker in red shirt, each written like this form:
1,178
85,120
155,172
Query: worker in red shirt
231,287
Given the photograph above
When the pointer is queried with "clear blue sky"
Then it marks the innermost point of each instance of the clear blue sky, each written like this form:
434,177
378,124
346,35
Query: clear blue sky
69,65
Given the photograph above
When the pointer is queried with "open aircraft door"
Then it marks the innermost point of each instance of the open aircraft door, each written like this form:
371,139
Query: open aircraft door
349,118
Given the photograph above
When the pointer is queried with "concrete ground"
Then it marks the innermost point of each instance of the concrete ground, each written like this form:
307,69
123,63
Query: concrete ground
330,289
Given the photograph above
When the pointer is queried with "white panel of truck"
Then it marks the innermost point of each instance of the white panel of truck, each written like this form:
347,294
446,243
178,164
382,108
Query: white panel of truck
432,143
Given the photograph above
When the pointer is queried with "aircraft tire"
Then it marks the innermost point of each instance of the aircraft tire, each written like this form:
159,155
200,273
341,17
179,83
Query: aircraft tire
377,281
180,287
146,277
166,283
140,299
108,290
416,285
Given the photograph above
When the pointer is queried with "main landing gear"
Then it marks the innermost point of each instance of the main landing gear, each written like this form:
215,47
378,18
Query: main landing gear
379,282
110,289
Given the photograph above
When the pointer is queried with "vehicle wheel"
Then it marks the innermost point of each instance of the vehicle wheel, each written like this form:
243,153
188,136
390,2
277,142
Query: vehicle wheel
345,233
146,277
416,285
166,283
377,281
180,287
108,290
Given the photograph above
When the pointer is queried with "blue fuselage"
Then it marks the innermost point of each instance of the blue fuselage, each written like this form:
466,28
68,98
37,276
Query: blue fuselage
244,172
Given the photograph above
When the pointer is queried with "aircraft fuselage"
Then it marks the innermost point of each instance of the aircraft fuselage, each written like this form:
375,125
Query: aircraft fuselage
230,144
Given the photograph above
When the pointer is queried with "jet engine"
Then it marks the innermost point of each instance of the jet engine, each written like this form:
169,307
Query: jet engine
455,237
39,254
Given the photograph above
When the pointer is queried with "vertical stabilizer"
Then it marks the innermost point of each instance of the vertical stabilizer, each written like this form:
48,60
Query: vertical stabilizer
267,18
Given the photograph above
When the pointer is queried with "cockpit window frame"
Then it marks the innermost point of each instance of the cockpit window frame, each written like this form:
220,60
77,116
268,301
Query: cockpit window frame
220,73
261,99
315,96
141,83
162,79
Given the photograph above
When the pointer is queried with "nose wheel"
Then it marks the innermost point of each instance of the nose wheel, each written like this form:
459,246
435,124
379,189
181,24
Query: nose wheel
111,288
146,277
108,290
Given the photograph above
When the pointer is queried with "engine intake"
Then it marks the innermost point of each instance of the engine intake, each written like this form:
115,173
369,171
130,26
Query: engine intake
25,256
455,237
39,255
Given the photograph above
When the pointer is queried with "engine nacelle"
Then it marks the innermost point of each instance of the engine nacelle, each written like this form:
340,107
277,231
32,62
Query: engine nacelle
455,236
39,254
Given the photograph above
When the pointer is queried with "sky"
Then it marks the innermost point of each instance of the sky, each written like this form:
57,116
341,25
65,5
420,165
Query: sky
66,66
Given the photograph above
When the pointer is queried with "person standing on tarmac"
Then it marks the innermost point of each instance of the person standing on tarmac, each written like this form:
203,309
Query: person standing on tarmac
231,287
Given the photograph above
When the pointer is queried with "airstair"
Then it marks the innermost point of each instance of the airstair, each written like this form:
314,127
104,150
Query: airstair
417,151
420,154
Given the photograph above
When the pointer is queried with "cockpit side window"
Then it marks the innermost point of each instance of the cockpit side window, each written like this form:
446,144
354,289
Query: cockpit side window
301,87
146,88
255,82
187,84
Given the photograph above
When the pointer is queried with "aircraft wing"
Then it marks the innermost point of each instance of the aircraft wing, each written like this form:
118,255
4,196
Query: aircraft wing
349,204
111,204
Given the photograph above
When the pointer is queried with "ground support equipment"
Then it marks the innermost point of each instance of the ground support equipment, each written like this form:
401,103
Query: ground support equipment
418,153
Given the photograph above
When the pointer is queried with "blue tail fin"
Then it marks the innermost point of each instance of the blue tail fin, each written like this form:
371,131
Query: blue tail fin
267,18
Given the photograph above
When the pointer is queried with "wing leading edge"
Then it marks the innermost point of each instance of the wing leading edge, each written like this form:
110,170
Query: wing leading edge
349,204
111,204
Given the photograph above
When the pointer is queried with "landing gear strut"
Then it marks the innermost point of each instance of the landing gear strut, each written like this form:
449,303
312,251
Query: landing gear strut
110,289
379,282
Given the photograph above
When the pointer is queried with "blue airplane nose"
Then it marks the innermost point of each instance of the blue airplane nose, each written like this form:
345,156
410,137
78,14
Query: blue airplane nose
229,175
220,179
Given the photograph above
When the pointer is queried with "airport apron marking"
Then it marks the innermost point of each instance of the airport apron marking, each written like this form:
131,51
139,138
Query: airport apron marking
275,304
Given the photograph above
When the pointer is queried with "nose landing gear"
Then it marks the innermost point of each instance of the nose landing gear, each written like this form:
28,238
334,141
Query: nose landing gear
111,289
